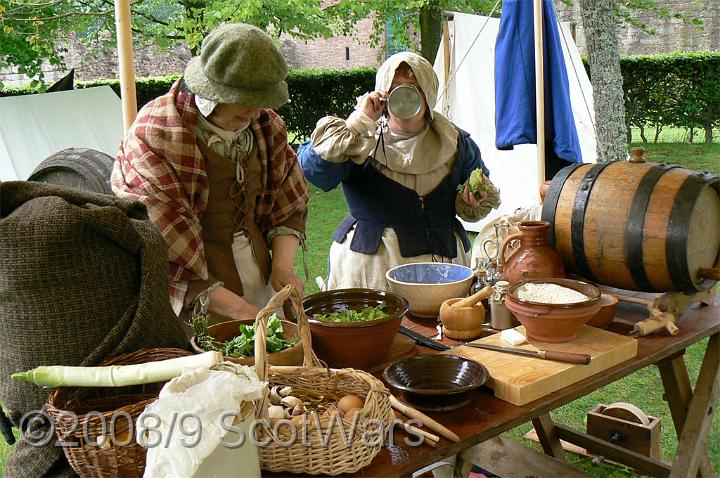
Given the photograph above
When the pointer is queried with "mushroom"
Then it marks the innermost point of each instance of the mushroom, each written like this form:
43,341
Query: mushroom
276,412
290,401
275,397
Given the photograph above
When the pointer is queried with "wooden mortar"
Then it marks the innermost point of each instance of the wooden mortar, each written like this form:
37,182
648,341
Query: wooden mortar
462,318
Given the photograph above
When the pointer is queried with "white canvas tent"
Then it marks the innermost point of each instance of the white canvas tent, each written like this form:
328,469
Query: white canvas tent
34,127
469,102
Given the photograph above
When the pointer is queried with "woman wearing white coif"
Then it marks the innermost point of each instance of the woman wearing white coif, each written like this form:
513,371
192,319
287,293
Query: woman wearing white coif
402,168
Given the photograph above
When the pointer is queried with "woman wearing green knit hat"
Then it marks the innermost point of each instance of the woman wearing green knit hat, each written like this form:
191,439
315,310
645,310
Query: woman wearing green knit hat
211,162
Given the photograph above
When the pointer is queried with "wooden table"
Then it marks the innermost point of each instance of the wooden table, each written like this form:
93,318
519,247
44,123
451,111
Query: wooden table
487,417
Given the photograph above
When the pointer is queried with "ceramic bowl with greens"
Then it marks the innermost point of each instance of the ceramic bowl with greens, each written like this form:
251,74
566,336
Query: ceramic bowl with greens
354,327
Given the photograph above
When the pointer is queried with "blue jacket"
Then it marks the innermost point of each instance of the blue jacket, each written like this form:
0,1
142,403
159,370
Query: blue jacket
423,224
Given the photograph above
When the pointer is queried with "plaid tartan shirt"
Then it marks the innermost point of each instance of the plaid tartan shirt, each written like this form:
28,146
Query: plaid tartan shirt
160,164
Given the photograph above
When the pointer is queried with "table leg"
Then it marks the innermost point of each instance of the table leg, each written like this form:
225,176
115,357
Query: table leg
678,393
692,412
547,435
450,467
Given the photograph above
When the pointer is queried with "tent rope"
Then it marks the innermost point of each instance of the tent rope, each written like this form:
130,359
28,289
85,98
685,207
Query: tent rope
462,60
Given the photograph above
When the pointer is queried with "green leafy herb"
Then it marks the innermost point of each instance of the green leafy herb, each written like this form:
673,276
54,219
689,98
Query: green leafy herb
476,183
350,315
242,345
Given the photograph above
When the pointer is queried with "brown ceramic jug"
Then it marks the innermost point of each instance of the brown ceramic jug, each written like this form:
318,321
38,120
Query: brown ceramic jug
534,259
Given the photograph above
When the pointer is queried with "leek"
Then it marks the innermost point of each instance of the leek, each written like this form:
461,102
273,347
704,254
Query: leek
116,375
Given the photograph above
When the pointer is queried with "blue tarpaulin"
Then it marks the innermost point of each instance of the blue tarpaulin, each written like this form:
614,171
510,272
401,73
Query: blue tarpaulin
515,120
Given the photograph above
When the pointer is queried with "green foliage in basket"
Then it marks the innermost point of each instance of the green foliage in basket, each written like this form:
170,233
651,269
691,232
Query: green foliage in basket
242,345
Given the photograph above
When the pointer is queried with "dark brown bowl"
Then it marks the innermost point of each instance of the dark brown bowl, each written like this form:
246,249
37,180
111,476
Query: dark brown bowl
437,381
224,331
360,345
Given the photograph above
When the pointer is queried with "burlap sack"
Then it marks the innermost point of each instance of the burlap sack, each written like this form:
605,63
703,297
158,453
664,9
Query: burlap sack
83,277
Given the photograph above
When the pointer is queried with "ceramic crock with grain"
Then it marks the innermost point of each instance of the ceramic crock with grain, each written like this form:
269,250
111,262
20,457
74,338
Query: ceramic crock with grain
535,258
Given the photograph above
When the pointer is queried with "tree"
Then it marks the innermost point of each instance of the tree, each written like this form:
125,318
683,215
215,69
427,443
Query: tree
430,17
600,25
35,31
408,17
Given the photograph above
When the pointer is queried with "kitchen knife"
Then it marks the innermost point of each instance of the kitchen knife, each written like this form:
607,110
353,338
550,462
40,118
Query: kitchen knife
567,357
422,340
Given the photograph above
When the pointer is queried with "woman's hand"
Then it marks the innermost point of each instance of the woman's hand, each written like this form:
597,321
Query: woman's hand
469,197
372,104
281,278
231,305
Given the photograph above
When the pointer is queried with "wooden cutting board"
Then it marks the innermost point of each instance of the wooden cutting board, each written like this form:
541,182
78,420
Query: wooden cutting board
520,380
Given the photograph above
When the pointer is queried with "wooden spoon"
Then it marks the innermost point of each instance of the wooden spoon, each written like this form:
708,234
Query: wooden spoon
482,294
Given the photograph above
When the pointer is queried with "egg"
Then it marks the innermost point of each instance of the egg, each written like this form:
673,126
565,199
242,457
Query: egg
330,410
349,402
123,437
351,413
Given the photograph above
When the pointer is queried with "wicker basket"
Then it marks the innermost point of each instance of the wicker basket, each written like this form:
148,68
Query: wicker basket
316,454
105,413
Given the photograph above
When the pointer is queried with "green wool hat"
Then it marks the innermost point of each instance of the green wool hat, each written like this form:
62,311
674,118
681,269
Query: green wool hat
239,64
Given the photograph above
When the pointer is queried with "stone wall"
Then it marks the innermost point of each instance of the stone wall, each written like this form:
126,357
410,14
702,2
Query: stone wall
671,34
337,52
147,61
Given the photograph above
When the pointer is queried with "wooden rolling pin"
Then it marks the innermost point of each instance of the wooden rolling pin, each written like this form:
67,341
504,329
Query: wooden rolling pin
469,301
427,437
426,420
418,431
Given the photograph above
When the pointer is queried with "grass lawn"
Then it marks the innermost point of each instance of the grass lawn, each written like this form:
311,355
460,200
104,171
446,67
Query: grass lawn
4,450
670,134
643,389
699,157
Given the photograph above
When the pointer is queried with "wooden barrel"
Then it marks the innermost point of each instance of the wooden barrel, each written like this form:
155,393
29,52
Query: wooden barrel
636,226
79,168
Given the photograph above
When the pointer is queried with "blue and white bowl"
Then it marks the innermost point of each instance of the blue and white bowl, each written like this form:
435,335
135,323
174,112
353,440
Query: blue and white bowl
427,284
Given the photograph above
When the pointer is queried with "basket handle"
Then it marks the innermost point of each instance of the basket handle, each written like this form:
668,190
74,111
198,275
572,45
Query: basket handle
261,319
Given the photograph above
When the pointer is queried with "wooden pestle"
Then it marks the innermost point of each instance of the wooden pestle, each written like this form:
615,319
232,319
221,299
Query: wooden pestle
469,301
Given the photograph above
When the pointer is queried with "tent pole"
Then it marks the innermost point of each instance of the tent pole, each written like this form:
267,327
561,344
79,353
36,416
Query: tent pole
446,52
539,91
123,24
